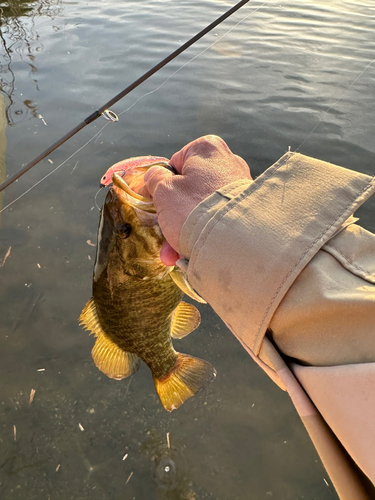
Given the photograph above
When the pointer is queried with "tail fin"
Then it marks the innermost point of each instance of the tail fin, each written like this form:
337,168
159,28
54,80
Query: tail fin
186,378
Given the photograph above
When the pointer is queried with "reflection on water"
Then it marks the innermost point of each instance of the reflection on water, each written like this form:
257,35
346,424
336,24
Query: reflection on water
3,123
15,8
20,41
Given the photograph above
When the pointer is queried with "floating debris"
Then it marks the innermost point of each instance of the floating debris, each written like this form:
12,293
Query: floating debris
58,467
15,432
39,266
43,120
125,456
91,244
168,442
41,370
165,473
81,427
324,479
50,160
130,475
6,256
32,394
75,166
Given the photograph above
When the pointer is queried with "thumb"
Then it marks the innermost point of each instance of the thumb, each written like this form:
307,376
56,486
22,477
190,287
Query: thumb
154,176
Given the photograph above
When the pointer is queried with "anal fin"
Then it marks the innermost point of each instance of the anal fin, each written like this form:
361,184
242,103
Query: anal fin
112,360
185,319
186,378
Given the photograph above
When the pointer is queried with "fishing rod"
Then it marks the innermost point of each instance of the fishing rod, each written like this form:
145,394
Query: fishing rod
104,110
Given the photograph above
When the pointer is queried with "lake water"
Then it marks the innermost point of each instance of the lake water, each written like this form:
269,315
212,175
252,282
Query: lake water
291,74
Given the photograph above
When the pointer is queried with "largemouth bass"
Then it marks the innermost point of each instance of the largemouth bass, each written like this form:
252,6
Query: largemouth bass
136,305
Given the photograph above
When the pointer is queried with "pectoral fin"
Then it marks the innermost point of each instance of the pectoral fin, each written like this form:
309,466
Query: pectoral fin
108,357
181,281
185,319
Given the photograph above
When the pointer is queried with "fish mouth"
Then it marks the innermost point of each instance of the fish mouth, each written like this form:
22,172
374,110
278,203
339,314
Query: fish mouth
122,184
133,198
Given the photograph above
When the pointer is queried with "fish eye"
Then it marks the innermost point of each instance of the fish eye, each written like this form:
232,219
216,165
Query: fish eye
124,230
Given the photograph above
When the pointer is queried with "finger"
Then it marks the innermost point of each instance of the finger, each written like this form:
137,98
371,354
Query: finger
144,192
203,147
168,255
154,176
178,159
245,169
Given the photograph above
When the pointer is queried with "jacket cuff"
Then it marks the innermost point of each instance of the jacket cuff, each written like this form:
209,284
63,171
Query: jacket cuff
247,247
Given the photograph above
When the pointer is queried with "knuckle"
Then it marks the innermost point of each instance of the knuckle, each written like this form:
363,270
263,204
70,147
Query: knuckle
208,145
212,141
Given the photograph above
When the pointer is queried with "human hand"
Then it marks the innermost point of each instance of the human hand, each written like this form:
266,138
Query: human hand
203,165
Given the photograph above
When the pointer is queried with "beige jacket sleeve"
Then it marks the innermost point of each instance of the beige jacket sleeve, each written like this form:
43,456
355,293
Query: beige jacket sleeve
282,262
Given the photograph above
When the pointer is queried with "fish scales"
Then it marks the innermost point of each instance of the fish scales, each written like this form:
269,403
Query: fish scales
137,316
136,307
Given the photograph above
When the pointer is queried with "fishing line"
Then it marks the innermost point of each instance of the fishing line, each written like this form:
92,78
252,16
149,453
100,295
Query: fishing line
104,110
97,135
96,197
334,104
53,171
193,58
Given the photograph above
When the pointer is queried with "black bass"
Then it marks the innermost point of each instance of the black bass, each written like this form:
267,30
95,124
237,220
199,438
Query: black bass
136,306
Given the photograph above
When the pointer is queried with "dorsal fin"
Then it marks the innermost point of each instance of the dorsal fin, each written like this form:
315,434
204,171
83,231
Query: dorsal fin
108,357
185,319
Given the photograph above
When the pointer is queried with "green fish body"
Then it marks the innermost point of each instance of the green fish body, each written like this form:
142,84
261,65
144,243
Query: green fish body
137,307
